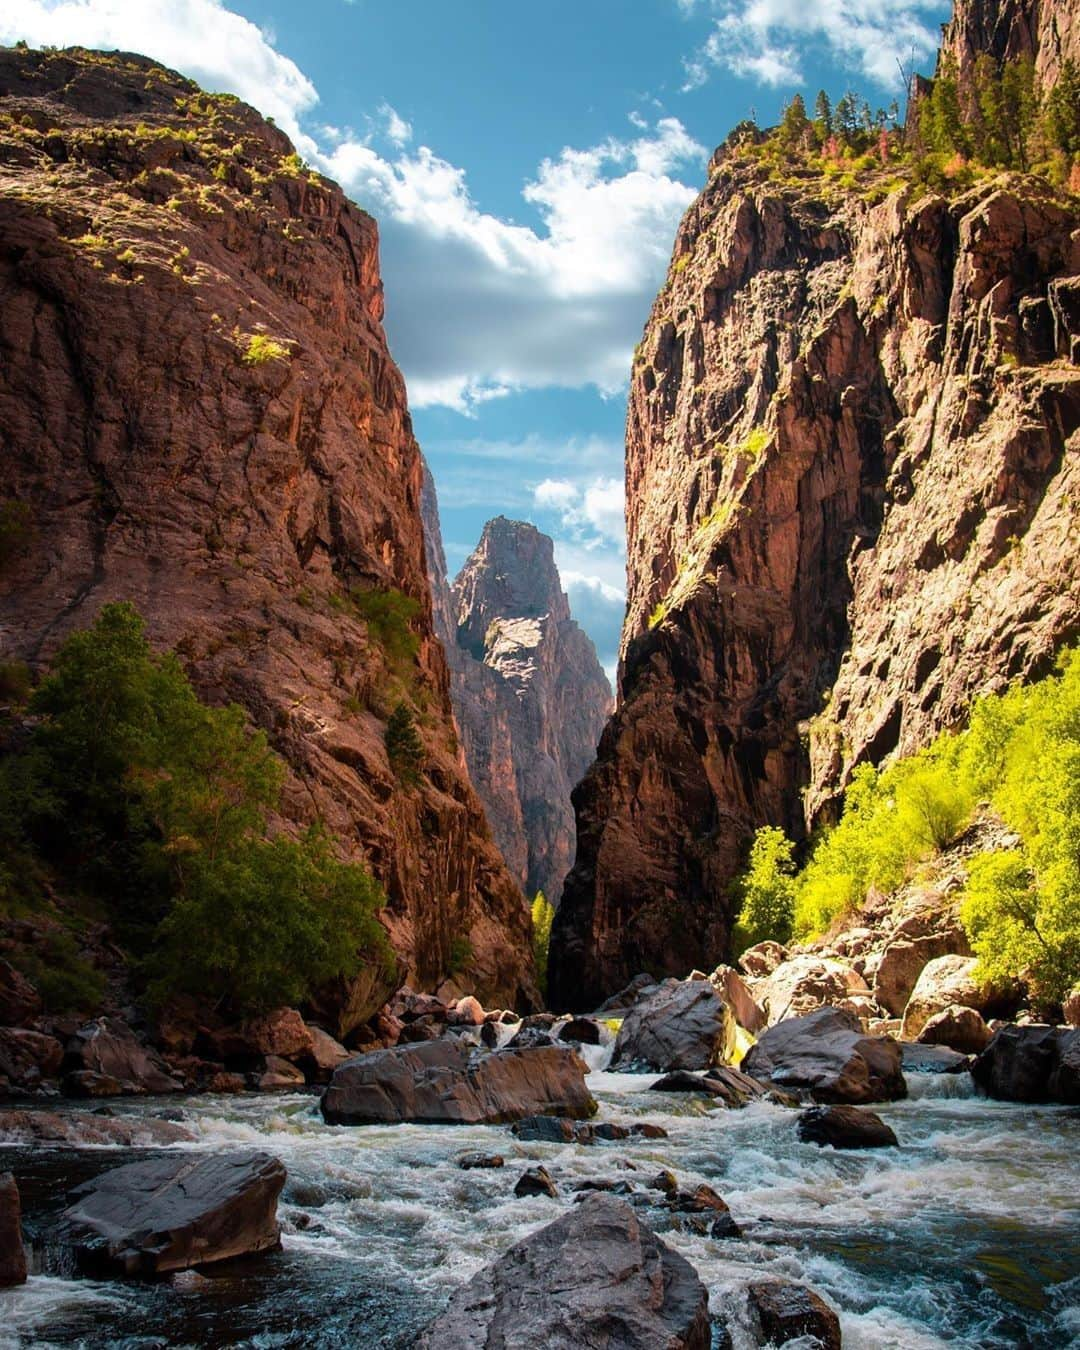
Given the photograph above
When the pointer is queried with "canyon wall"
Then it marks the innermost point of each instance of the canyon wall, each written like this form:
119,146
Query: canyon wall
529,693
853,499
199,413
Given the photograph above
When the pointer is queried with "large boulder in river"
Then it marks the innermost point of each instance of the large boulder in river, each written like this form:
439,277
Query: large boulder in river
12,1252
960,1029
944,982
1031,1064
28,1057
827,1054
735,992
108,1049
595,1277
680,1024
806,982
174,1213
792,1312
844,1127
443,1083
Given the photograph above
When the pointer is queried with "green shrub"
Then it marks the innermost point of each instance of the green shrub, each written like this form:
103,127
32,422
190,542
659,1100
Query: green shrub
136,792
461,954
404,748
389,615
66,981
543,913
767,890
258,349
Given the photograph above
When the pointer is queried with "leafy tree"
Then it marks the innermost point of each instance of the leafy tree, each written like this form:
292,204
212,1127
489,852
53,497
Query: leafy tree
543,914
768,890
404,748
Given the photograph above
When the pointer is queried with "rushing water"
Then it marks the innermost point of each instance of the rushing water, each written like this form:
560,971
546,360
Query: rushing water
966,1236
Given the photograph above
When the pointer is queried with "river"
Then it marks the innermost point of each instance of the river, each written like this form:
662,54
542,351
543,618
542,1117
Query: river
967,1236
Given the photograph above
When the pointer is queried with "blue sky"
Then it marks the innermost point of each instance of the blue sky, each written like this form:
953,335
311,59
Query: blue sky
528,165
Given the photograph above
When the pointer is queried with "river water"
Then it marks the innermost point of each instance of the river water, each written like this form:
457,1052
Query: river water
968,1235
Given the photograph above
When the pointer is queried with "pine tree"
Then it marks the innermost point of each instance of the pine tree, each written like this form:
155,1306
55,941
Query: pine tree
823,117
795,121
404,748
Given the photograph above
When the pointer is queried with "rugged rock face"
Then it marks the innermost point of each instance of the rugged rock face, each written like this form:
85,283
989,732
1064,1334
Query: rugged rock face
199,413
530,696
852,445
1047,30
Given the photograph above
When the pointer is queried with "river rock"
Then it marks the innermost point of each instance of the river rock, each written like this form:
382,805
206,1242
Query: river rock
827,1054
109,1048
87,1083
469,1162
626,997
86,1127
583,1030
844,1127
943,983
279,1075
19,1000
12,1252
536,1181
554,1130
597,1276
763,958
174,1213
919,1058
957,1028
703,1200
681,1024
806,982
903,959
735,992
440,1082
28,1057
466,1012
530,1037
325,1055
789,1311
1031,1064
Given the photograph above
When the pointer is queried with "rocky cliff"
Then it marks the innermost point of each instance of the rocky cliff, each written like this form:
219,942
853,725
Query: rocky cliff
530,696
198,412
1048,31
852,470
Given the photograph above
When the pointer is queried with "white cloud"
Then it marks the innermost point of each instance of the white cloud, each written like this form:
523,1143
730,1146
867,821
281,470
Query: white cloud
766,39
555,494
398,131
591,511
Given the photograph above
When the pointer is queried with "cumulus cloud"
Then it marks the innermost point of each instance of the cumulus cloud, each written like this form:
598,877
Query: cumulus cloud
765,39
592,512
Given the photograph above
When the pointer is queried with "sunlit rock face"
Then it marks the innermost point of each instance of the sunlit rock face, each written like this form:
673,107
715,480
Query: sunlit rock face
852,455
529,693
199,413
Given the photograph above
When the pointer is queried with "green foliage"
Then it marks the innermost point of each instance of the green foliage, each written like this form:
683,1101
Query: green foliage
15,683
794,122
461,954
137,793
389,615
258,349
404,748
1021,756
16,529
543,913
66,981
767,890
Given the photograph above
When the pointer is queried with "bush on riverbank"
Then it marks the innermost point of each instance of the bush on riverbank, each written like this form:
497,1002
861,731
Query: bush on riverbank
1019,757
135,793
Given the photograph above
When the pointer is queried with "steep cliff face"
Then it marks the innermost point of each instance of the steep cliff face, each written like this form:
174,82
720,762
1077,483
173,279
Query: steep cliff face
1046,30
198,412
852,472
530,696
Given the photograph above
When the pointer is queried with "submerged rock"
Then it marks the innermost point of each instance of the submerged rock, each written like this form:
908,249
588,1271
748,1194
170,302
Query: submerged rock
845,1127
1031,1064
788,1311
12,1252
471,1162
595,1277
173,1213
87,1127
681,1024
827,1054
440,1082
536,1181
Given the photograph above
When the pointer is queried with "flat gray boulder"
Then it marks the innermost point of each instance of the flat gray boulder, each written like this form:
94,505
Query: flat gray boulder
827,1054
443,1082
174,1213
596,1277
681,1024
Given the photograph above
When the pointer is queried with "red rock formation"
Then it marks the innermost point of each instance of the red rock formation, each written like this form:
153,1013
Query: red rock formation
852,462
199,413
529,694
1046,30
